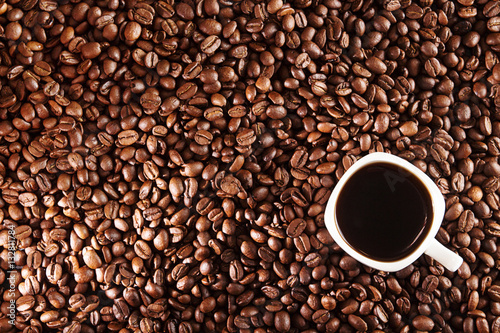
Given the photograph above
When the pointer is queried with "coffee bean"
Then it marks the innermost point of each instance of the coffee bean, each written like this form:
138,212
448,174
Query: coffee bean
299,158
246,137
491,9
303,60
151,60
91,50
25,303
302,243
319,88
249,249
151,171
423,323
91,258
282,321
210,44
154,213
27,200
128,137
376,65
187,91
76,301
214,113
357,322
132,31
193,70
42,68
266,254
494,292
495,326
142,249
296,227
207,305
49,316
276,112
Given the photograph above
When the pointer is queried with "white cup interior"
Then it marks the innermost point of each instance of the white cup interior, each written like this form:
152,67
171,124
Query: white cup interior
438,209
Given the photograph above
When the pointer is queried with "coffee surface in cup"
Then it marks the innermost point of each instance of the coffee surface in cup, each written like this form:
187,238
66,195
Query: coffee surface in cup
384,212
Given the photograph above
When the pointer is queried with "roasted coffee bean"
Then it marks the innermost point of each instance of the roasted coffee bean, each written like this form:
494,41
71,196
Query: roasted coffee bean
494,292
282,321
357,322
296,227
210,44
187,91
299,158
423,323
128,137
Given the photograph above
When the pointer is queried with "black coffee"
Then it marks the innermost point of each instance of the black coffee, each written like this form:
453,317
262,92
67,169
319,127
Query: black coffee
384,212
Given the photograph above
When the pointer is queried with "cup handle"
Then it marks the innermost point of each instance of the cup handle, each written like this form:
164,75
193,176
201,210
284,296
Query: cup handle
449,259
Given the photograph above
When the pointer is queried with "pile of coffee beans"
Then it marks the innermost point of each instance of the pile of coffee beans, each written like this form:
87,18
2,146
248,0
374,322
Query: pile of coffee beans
165,165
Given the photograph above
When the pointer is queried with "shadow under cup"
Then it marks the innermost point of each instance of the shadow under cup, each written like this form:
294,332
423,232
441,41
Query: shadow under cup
384,211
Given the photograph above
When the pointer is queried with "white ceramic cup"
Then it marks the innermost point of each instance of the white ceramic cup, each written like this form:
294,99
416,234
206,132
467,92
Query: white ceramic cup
429,245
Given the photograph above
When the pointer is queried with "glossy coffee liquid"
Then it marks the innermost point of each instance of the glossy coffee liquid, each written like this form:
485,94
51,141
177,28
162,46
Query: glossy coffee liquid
384,212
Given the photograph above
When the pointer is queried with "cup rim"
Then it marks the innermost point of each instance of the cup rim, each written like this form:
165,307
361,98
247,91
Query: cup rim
438,208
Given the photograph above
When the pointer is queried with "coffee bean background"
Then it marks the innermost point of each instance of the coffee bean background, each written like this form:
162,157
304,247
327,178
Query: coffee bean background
165,165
